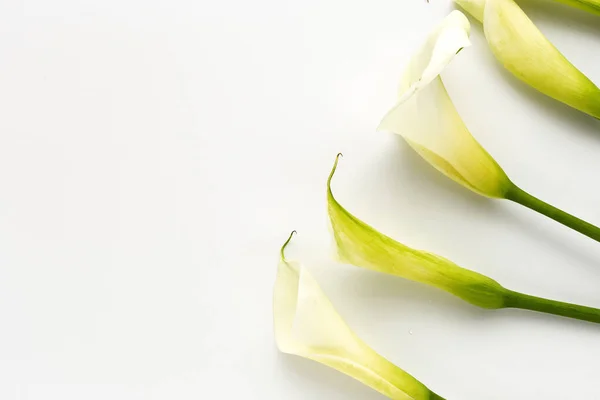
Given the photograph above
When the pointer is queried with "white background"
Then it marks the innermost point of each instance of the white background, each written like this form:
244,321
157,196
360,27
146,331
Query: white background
155,154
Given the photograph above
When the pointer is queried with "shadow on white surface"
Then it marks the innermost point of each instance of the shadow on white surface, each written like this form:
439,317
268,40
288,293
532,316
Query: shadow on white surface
423,172
579,123
581,259
556,21
337,385
526,318
503,211
406,295
370,287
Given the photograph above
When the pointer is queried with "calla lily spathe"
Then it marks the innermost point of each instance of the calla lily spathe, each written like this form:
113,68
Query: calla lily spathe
307,325
426,118
524,51
359,244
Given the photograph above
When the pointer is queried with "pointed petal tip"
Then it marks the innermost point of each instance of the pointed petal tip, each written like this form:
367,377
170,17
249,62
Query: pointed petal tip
333,169
282,251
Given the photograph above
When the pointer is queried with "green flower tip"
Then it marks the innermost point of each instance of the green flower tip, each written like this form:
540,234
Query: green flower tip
289,239
335,164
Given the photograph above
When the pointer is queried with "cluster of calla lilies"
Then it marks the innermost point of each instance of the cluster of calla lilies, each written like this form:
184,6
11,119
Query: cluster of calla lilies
307,324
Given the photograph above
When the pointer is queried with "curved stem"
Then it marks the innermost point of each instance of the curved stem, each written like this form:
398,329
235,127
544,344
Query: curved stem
520,196
527,302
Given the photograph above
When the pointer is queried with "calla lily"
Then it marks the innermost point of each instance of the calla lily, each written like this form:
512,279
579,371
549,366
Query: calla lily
524,51
359,244
307,325
426,118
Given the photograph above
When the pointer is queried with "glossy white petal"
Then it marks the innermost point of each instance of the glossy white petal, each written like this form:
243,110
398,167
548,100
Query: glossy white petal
426,118
451,36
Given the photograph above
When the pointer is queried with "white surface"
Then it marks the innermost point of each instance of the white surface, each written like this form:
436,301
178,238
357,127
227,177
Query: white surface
155,154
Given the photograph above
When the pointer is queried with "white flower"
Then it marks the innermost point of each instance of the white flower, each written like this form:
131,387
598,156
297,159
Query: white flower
426,118
307,325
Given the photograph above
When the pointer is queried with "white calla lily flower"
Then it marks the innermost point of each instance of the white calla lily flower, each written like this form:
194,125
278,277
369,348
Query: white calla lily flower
524,51
360,244
307,325
426,118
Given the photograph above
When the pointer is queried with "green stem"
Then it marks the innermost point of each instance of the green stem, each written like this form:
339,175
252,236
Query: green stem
522,197
527,302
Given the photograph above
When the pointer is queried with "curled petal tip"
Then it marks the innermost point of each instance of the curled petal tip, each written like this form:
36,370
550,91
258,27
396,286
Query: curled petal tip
286,243
335,163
